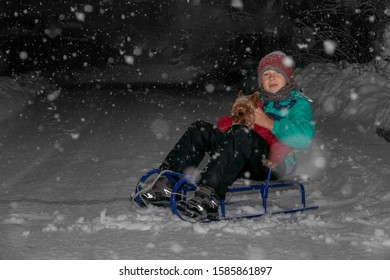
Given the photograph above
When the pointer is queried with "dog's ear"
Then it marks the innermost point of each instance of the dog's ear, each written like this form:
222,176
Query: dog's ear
255,98
240,93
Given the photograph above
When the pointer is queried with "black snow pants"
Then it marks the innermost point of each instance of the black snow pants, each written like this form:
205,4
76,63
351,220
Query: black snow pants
234,154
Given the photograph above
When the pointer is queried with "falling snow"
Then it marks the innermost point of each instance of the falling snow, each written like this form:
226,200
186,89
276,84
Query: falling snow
69,164
237,4
68,196
330,47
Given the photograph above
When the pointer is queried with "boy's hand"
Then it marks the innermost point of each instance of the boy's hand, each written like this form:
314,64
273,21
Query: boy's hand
261,119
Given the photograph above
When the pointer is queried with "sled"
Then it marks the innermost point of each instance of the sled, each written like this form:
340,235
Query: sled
184,185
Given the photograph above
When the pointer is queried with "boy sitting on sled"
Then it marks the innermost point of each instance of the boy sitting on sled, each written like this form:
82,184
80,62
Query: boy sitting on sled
237,151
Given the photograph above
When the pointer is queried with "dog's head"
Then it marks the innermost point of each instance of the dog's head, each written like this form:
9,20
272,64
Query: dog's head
243,110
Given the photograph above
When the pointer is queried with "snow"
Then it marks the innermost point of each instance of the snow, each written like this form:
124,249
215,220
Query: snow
68,168
330,47
362,99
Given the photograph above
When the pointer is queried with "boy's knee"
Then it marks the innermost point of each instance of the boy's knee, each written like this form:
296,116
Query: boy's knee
239,129
198,123
201,125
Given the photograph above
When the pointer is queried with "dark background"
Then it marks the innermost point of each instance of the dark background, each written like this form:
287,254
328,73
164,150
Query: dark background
223,37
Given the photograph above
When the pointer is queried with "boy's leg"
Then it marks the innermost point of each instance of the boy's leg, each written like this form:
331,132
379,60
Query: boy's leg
200,138
254,168
241,150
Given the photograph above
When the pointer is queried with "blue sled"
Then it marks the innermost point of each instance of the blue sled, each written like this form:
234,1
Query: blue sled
183,185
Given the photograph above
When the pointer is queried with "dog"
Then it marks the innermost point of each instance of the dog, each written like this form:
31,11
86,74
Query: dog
243,110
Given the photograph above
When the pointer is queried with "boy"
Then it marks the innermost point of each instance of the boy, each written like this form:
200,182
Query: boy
239,152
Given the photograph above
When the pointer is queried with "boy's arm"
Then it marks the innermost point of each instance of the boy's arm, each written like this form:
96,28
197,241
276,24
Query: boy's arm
278,150
297,129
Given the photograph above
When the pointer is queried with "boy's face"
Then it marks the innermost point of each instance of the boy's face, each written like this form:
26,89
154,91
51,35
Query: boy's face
273,81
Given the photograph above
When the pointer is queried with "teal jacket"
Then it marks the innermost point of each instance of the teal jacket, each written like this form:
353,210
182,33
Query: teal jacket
294,124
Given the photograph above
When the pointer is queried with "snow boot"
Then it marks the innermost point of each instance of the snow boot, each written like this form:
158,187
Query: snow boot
202,206
159,194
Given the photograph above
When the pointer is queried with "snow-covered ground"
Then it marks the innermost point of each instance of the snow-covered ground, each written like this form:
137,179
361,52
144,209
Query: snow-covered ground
68,168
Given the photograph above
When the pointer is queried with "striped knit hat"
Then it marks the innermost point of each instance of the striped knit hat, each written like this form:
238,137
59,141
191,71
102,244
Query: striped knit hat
279,62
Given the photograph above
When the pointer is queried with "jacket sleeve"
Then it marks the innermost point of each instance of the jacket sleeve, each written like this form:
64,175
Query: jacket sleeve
278,150
224,123
297,129
265,134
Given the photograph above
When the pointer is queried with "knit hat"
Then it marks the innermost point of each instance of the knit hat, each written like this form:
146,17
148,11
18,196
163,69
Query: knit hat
279,62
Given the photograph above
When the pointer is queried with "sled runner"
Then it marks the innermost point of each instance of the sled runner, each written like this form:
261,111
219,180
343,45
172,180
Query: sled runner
183,186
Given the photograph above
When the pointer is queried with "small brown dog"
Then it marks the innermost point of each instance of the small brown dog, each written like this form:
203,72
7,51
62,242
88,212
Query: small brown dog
243,110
